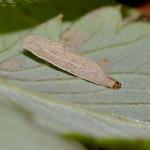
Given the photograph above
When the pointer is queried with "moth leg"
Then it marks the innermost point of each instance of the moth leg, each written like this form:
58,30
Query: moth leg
105,64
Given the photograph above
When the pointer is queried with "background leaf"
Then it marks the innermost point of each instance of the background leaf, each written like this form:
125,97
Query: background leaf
23,14
18,132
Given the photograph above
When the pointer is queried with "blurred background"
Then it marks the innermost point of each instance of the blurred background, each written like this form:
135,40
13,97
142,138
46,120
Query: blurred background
16,15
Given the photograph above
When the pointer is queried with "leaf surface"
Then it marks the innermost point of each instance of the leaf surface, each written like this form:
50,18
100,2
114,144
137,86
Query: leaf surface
69,104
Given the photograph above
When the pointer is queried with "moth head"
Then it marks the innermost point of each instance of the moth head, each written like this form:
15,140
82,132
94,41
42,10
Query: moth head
117,85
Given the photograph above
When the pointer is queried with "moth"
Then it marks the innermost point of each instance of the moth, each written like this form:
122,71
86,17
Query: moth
63,57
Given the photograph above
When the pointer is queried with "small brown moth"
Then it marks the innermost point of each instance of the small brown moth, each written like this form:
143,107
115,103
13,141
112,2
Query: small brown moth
61,56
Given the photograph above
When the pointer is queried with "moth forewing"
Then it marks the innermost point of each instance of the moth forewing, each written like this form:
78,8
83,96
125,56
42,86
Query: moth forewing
61,56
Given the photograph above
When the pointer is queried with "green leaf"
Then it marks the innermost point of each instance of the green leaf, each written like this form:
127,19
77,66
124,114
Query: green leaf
65,103
29,13
18,131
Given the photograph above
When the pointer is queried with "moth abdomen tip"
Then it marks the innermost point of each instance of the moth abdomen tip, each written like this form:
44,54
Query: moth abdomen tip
117,85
